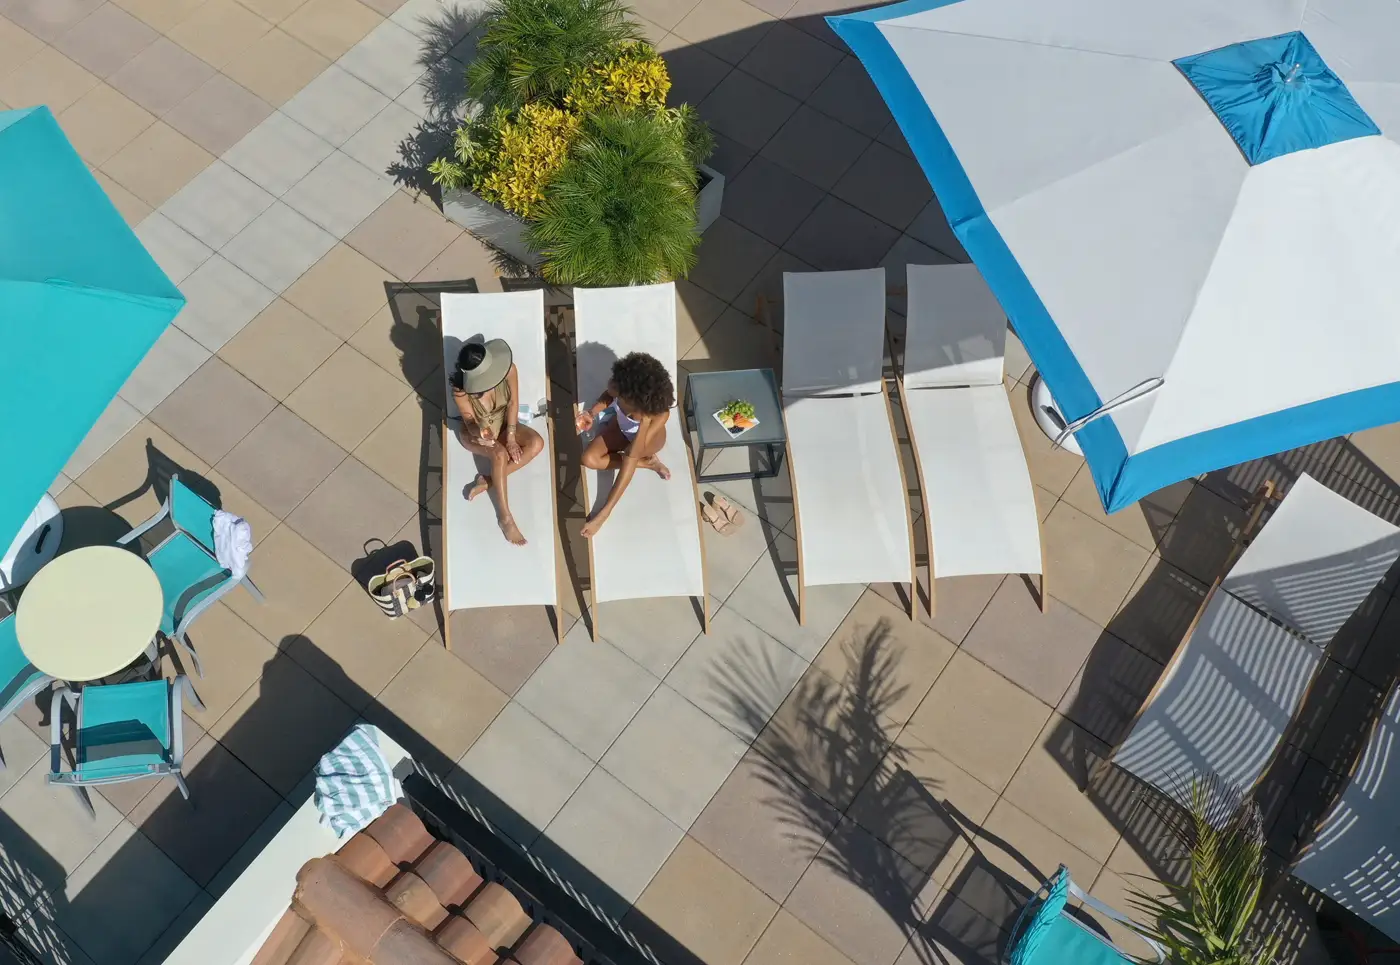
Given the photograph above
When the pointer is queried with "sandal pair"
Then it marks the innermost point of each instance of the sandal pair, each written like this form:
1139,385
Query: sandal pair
720,513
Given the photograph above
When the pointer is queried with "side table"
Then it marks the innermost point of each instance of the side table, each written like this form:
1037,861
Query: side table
708,392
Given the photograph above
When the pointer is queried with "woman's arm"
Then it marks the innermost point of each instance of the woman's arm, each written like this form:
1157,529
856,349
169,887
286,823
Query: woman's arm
584,420
630,461
513,449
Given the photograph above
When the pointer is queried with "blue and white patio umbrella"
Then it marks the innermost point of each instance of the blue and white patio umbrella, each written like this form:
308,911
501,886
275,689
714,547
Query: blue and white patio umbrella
1190,201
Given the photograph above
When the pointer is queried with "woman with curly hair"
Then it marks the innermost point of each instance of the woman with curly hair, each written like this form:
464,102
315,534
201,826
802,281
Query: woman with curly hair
633,410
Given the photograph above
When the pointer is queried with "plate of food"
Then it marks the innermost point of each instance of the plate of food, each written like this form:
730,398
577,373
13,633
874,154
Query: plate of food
737,417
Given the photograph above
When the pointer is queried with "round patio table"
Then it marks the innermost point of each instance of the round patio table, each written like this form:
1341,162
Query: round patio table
89,613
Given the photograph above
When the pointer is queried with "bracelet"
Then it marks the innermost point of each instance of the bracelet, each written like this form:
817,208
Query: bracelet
510,429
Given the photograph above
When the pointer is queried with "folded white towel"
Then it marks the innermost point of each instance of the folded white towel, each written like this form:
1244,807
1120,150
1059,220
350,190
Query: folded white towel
233,543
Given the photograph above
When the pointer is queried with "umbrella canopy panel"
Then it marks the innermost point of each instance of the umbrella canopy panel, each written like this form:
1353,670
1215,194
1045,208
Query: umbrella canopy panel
81,302
1200,193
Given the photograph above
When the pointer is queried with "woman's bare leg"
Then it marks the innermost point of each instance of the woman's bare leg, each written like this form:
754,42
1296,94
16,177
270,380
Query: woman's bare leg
605,451
531,445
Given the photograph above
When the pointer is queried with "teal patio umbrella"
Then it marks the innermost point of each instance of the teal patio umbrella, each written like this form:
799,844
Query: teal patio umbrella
81,302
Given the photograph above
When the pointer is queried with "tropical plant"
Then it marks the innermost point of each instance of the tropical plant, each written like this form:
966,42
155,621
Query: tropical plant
636,78
622,210
1206,921
532,50
696,136
509,157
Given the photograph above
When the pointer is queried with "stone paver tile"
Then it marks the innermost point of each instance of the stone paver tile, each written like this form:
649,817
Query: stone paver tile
1050,783
404,445
218,114
177,251
816,147
172,359
729,258
958,600
281,461
273,11
335,105
347,418
787,941
1145,523
283,723
893,137
654,632
54,833
161,76
729,156
734,341
1091,568
694,71
921,804
746,109
696,311
402,235
737,674
122,897
611,834
232,802
664,13
1115,891
765,823
219,30
164,15
233,656
698,903
1159,609
341,291
1050,467
111,425
351,507
279,349
354,656
769,201
217,204
951,930
505,644
896,660
126,468
47,78
931,227
1010,638
340,193
21,748
1373,458
387,59
17,44
439,700
1201,539
837,236
276,67
858,895
213,410
331,27
528,770
849,95
279,246
587,691
164,946
729,29
104,40
768,598
466,258
979,720
297,581
1110,688
886,184
85,523
673,756
277,154
379,144
791,60
1038,851
762,298
728,559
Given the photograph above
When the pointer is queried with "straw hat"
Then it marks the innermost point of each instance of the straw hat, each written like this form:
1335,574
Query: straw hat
490,371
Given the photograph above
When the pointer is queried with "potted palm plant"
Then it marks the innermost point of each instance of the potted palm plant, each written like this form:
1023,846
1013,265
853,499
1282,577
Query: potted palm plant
1207,920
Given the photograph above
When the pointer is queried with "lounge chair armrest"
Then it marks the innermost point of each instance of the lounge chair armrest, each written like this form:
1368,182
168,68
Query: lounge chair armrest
1109,912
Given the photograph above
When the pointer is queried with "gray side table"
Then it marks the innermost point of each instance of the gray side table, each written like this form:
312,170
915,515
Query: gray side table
707,392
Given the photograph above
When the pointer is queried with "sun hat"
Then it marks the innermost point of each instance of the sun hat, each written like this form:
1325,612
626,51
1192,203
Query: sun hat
489,371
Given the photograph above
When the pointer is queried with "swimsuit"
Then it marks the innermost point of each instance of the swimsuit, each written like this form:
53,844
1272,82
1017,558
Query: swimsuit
493,418
627,425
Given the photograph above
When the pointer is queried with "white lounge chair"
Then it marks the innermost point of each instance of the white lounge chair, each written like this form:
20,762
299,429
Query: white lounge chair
651,544
1354,854
480,568
979,503
1232,688
848,488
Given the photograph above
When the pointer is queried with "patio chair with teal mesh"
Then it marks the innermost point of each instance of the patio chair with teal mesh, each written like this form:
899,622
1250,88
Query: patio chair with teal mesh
1046,934
18,679
122,732
189,572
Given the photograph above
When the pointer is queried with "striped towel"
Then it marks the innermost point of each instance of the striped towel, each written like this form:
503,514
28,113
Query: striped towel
354,783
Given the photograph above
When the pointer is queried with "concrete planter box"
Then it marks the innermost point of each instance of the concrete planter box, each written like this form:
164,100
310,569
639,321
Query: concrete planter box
709,198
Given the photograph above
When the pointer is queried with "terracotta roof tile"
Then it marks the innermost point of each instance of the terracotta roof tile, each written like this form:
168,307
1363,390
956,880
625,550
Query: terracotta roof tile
316,948
465,940
290,929
363,856
545,946
401,834
341,903
407,944
412,895
448,872
498,914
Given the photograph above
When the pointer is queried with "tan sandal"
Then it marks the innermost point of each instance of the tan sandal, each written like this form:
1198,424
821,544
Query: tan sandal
731,512
716,519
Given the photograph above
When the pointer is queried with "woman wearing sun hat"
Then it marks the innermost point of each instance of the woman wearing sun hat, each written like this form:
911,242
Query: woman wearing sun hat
486,390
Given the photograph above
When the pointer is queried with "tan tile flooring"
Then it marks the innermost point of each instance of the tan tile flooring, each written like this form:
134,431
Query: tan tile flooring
859,790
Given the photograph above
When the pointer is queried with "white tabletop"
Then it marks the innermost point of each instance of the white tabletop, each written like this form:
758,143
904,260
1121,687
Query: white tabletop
89,613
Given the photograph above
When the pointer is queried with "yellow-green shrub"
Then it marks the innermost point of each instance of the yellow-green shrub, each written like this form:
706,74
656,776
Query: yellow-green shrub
518,153
635,79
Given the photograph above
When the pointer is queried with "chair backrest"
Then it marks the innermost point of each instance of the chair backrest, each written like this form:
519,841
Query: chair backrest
517,317
956,329
612,322
833,332
1046,933
191,514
